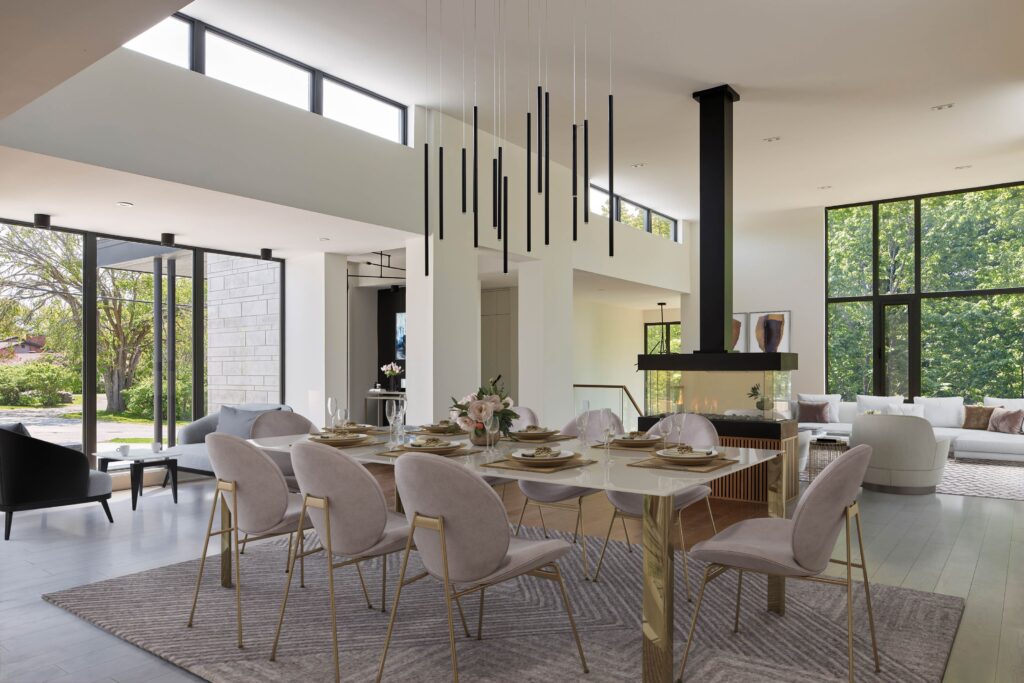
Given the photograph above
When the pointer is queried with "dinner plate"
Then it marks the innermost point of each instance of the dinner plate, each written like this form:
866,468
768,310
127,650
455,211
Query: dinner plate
436,450
340,440
697,457
339,429
444,429
534,436
635,443
526,457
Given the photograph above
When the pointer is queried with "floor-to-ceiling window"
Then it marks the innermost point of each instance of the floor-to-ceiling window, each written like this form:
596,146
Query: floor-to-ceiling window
925,295
663,391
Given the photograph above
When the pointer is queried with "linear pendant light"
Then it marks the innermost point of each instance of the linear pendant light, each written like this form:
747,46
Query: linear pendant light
611,139
426,145
504,242
476,141
586,120
462,26
575,178
529,186
440,121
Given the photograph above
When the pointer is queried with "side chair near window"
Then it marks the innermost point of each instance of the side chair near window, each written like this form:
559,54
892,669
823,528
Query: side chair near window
461,531
797,548
562,497
254,500
37,474
282,423
350,516
695,430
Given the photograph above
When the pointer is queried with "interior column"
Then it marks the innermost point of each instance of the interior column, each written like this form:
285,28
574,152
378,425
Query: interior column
545,340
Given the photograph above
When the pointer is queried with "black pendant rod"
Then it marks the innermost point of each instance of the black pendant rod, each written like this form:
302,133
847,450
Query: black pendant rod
529,183
494,192
575,188
504,208
440,193
540,139
463,180
547,167
426,210
501,174
586,170
611,177
476,182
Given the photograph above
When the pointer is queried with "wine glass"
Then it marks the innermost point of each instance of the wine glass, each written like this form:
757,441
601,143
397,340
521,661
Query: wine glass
340,417
607,430
400,408
493,424
332,409
391,410
582,417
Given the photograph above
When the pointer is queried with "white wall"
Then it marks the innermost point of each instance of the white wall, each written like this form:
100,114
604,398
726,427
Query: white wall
606,342
362,348
780,266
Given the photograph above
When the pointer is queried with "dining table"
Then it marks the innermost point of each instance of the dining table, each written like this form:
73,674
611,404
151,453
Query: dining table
612,471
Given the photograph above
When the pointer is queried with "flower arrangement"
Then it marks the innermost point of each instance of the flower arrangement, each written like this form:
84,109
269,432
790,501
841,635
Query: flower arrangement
472,411
391,369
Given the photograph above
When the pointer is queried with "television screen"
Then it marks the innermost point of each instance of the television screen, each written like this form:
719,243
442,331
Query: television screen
400,336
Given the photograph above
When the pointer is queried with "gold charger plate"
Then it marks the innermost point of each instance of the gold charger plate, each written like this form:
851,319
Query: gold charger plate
436,450
520,467
563,458
340,441
635,443
533,436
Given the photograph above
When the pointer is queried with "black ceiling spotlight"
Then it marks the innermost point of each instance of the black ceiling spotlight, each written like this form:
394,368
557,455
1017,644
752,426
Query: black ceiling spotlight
41,220
167,239
266,254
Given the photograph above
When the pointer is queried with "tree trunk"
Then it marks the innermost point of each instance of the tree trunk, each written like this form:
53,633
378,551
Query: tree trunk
116,383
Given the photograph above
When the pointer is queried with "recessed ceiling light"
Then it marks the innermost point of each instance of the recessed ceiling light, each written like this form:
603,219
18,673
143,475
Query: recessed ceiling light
638,164
962,168
824,187
773,138
325,239
943,107
125,204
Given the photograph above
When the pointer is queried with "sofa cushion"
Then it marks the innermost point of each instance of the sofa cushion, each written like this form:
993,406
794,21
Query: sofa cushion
813,411
831,399
943,411
876,403
1011,403
238,422
989,442
906,409
100,484
16,427
1006,421
977,417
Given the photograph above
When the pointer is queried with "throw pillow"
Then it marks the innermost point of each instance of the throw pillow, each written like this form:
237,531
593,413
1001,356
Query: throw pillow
1006,421
876,403
813,411
944,411
904,409
1008,403
16,427
237,422
978,417
831,399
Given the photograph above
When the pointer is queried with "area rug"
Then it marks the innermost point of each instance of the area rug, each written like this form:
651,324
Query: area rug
984,478
526,636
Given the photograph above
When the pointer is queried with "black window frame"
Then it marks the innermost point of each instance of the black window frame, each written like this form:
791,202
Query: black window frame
912,300
616,207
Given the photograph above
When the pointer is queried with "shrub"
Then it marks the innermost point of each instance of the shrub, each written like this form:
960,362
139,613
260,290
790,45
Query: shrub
139,400
38,382
9,394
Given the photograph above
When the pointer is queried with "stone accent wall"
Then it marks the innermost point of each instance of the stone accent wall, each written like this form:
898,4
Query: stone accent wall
243,318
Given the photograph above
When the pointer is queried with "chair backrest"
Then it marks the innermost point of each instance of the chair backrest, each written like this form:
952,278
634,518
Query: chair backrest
897,441
818,518
475,522
281,423
527,418
596,424
688,428
262,489
356,502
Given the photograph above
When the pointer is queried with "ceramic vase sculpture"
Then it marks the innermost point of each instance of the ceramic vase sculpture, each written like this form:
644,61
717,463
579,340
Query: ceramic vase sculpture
737,328
769,332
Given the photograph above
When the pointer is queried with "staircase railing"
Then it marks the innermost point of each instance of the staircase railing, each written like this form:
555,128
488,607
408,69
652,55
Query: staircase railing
615,397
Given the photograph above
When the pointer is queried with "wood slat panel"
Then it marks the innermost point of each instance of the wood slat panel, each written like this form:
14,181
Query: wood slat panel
750,485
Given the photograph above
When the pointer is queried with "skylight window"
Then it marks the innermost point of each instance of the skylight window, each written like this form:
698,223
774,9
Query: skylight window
353,108
168,41
245,67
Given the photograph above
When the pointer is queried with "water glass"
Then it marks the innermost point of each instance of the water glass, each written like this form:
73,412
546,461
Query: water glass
391,411
493,424
400,409
332,409
582,417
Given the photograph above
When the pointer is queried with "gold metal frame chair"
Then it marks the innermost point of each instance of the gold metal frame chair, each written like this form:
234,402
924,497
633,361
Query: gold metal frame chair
682,540
323,503
578,531
229,528
549,571
713,571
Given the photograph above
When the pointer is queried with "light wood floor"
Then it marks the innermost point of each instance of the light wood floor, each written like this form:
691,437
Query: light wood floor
971,547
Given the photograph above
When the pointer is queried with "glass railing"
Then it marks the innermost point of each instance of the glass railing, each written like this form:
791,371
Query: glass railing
615,397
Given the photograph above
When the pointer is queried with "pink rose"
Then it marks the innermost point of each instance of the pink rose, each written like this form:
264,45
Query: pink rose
480,411
468,399
508,402
495,401
466,424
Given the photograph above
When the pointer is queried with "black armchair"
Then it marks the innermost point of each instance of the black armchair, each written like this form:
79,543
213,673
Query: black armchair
37,474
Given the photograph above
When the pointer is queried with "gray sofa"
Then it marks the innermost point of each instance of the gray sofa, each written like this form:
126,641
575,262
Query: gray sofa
190,450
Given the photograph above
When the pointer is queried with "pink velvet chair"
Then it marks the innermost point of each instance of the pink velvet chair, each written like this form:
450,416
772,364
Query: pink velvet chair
462,535
282,423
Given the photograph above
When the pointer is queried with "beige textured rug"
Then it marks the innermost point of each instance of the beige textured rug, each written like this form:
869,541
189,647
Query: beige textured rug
526,635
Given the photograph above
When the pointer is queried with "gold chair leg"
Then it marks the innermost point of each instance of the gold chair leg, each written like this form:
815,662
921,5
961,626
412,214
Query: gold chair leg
238,568
366,594
572,621
202,558
448,596
394,607
576,529
607,537
711,514
480,617
583,539
739,592
330,588
686,564
245,539
693,624
543,525
302,553
287,587
286,557
867,593
625,531
849,598
462,615
519,524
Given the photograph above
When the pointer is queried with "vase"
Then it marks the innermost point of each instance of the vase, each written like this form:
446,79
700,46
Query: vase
478,437
392,383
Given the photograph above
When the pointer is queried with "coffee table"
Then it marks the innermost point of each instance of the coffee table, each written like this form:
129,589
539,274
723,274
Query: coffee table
824,448
139,459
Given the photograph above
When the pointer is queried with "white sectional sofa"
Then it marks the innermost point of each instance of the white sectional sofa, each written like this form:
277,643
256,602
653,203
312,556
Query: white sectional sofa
964,443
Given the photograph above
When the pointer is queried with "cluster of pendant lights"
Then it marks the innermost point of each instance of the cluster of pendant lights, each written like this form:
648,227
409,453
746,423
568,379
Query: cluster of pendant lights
499,179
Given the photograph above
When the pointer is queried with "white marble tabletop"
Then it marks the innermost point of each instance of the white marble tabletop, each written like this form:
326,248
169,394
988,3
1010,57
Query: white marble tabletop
610,473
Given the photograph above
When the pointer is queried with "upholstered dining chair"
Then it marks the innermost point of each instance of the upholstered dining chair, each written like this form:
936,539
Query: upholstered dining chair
282,423
797,548
251,488
563,497
692,429
462,535
351,518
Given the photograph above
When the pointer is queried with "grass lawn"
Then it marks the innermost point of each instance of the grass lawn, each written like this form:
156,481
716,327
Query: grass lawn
104,416
131,439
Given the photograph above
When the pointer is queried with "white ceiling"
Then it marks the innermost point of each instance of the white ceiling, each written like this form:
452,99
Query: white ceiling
612,291
85,197
847,86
